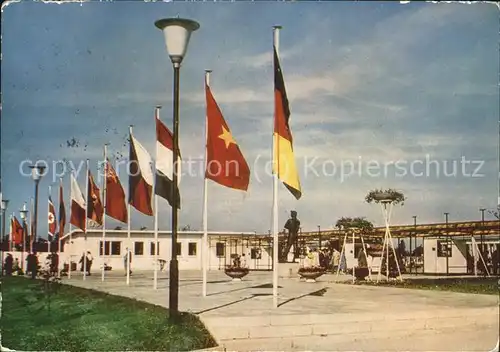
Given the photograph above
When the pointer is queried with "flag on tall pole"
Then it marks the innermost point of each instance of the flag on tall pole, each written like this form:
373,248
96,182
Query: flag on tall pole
163,185
115,201
224,162
62,219
95,209
52,222
104,197
16,231
284,166
164,165
140,186
78,206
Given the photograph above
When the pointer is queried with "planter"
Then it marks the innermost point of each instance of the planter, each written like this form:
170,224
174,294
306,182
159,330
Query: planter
383,197
236,273
310,275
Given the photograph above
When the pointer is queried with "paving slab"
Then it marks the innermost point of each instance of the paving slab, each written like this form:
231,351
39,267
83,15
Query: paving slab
318,316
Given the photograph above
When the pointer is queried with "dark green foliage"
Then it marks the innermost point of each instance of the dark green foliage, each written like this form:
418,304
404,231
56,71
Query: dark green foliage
83,320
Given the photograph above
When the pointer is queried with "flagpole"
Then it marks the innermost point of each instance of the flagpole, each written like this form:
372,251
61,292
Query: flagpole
70,248
48,235
86,222
31,224
276,37
61,233
104,183
155,254
10,234
128,223
204,256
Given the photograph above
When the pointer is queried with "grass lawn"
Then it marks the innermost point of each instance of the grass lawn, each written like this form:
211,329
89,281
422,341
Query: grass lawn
82,320
487,286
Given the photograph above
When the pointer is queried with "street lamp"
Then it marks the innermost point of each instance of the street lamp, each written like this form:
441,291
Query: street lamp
24,215
447,244
36,174
411,249
177,32
482,210
4,205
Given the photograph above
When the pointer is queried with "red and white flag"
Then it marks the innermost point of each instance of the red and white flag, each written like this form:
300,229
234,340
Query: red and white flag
78,205
140,180
52,219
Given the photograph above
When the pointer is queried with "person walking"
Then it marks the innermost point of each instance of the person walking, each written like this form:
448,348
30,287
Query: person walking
32,264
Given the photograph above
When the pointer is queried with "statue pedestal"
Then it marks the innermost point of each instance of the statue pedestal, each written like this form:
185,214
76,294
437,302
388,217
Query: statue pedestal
288,270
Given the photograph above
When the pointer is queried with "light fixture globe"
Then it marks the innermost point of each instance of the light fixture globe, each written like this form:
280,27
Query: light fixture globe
5,204
177,32
37,171
24,212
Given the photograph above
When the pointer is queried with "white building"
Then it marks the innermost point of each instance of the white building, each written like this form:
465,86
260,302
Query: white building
222,245
440,254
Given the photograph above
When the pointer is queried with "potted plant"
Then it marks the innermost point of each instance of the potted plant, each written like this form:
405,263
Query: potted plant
387,199
236,271
311,273
385,196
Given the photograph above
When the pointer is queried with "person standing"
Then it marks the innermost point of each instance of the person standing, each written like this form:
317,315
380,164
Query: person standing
335,259
89,262
9,262
128,255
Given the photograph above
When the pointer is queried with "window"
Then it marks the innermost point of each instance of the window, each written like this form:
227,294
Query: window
152,248
179,248
139,248
255,253
106,248
219,249
443,249
192,248
116,248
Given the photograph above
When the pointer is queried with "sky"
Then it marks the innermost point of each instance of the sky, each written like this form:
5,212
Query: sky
370,84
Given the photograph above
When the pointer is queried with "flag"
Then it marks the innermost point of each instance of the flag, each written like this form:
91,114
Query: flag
62,211
16,231
164,163
140,181
95,210
284,159
52,219
77,217
115,195
225,162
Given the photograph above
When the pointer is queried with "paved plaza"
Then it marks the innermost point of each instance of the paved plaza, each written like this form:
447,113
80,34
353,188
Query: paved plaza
321,316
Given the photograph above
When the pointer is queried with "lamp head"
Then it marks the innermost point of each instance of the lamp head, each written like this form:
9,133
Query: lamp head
177,32
5,204
37,171
24,212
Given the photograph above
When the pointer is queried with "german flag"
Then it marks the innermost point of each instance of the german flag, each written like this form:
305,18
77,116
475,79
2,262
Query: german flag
284,160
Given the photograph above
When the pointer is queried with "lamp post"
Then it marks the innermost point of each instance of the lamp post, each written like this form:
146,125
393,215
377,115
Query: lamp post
411,247
319,236
482,210
447,244
177,32
4,205
36,174
24,215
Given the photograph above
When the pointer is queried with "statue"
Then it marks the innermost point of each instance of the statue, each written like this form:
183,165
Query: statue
292,225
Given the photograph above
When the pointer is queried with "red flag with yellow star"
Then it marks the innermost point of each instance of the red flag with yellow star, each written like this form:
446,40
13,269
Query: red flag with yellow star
225,162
